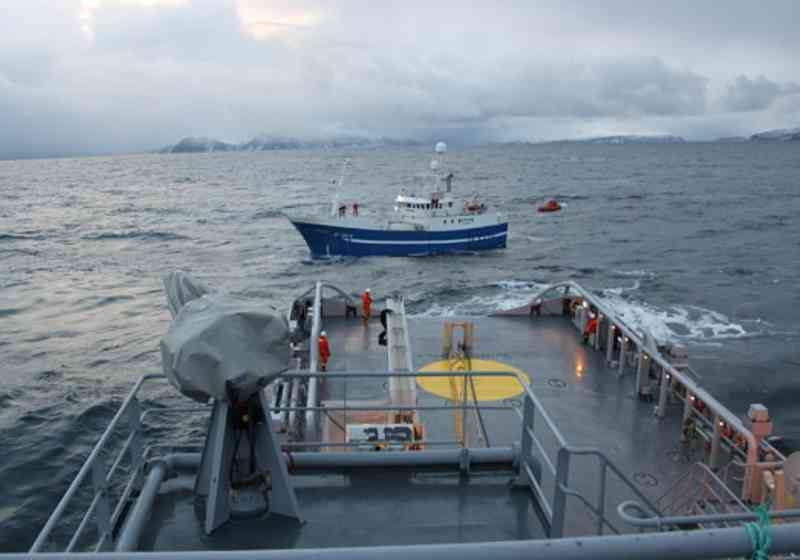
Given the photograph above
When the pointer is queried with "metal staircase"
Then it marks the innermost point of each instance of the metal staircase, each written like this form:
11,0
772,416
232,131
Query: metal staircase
701,492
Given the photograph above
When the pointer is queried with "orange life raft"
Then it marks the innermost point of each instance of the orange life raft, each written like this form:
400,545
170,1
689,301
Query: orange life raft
550,206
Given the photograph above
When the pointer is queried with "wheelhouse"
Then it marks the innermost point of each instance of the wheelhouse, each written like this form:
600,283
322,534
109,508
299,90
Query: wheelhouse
437,206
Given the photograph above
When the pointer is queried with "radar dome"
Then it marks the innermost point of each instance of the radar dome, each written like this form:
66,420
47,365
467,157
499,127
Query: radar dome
434,164
441,147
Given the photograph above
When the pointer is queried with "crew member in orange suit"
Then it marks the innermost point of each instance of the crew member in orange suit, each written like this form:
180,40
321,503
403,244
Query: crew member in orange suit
366,305
324,351
591,328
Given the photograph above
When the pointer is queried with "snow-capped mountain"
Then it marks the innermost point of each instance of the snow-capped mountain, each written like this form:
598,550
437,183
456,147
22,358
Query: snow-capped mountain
777,135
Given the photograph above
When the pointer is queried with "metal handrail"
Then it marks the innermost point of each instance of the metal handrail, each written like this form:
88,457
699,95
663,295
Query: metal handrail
707,473
347,297
89,464
372,374
131,401
600,514
701,544
712,403
560,472
672,491
565,454
313,363
675,520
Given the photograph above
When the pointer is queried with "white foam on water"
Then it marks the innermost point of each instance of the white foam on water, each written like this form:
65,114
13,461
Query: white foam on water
676,323
618,291
514,294
638,273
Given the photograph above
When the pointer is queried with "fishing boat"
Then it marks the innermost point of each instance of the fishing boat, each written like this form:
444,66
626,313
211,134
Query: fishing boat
433,223
521,434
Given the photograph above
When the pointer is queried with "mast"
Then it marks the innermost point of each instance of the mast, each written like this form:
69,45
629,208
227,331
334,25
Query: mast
439,167
335,202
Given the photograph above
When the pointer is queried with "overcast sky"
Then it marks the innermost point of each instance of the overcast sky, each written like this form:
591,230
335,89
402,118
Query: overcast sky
88,76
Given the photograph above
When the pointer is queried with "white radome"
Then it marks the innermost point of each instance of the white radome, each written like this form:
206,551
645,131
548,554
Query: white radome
440,148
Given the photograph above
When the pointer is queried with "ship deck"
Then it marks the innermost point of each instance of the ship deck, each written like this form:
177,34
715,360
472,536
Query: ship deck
591,404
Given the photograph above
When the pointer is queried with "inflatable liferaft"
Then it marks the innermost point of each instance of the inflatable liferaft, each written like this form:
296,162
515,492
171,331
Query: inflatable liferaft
550,206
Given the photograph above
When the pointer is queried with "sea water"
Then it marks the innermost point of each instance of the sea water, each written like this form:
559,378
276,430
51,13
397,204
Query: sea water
699,243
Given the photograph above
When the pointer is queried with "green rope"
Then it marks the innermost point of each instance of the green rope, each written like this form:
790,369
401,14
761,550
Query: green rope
760,534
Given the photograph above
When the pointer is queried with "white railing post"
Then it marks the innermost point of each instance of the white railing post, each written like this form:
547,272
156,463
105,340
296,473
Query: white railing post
623,347
610,347
640,373
663,391
526,448
311,416
559,496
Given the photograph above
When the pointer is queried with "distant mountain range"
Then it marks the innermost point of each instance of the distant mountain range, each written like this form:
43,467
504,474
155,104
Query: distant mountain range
264,142
630,139
732,139
201,144
777,135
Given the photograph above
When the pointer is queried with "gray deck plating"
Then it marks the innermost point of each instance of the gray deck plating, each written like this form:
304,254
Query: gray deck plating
367,509
590,403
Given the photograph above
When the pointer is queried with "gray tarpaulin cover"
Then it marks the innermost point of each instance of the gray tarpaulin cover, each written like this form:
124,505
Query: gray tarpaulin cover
217,338
181,289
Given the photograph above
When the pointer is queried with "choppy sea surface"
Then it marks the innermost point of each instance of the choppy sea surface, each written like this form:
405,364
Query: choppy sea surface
700,243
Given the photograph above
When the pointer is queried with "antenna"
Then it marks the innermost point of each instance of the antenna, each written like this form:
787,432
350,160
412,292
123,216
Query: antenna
335,202
437,165
341,176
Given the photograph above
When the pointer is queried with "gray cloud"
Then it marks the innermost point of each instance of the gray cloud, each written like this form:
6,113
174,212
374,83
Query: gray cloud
151,74
756,94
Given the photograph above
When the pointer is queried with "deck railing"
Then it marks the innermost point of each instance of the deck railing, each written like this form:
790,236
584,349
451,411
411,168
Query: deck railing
107,507
543,462
678,382
101,478
109,514
700,492
536,460
313,365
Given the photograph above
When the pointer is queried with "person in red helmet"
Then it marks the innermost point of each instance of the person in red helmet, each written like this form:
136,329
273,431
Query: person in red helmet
324,351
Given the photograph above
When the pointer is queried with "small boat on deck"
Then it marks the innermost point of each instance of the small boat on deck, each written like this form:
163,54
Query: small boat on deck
434,223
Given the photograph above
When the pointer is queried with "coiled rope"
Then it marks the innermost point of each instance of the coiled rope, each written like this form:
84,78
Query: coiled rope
760,534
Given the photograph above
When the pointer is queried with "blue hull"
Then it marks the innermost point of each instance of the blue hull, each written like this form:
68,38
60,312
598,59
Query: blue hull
326,240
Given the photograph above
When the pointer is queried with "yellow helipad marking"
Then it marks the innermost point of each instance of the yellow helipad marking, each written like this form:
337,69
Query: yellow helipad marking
486,388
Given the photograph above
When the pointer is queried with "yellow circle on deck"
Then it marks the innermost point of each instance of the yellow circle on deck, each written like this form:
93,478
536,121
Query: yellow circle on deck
486,388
